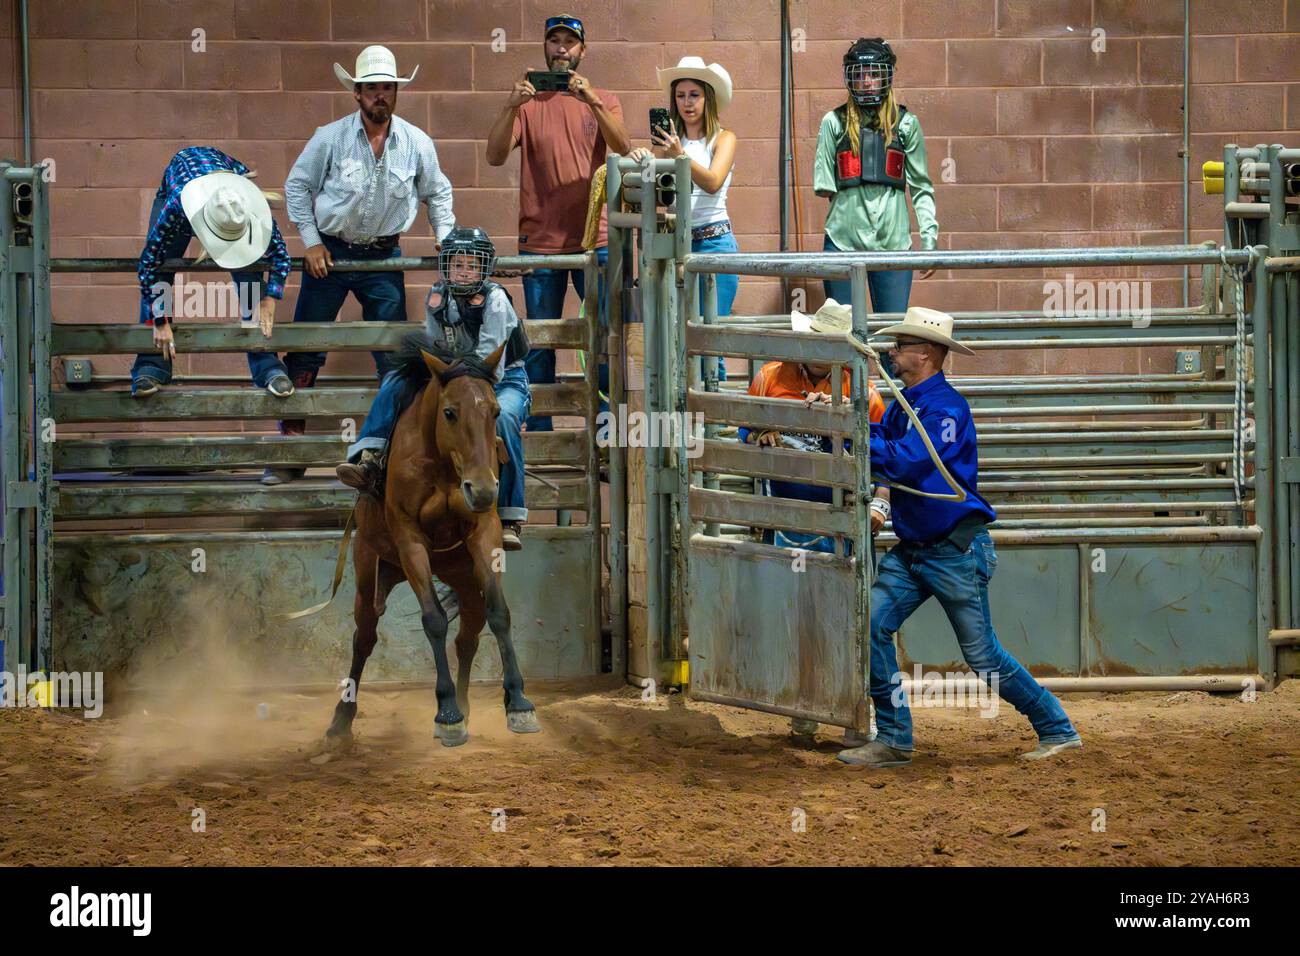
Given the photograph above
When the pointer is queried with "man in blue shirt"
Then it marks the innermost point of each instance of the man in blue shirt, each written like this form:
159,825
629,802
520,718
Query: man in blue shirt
943,549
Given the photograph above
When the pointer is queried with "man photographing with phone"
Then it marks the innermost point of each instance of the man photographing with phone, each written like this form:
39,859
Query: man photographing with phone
563,137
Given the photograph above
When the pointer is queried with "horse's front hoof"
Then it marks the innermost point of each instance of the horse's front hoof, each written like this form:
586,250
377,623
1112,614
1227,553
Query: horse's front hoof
452,735
523,722
336,742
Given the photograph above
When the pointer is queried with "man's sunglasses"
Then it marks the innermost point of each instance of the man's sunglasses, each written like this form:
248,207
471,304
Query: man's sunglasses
569,23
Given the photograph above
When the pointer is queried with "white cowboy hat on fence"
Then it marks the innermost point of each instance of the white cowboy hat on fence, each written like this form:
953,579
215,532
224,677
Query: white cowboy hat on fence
929,324
375,64
693,68
832,318
230,217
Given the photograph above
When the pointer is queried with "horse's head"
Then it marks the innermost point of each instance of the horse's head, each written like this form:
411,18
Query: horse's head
465,423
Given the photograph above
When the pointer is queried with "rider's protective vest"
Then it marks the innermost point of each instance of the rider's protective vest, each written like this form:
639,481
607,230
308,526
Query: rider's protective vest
875,162
460,323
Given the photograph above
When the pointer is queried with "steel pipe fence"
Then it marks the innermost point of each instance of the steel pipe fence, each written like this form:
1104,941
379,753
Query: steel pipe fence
1144,458
114,473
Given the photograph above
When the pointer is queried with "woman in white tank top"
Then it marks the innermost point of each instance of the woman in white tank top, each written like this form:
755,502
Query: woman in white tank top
697,94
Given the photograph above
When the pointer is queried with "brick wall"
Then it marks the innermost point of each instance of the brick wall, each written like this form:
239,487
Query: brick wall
1052,144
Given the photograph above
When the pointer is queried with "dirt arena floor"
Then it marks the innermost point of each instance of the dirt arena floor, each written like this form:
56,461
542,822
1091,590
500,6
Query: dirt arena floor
1184,778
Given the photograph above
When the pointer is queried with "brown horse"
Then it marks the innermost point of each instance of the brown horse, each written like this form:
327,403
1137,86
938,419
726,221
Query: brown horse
438,516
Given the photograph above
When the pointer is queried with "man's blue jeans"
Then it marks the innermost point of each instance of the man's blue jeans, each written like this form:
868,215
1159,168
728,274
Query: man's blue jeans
382,296
248,285
889,289
544,291
515,401
909,575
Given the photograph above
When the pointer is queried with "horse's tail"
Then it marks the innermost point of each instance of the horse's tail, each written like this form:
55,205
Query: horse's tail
339,566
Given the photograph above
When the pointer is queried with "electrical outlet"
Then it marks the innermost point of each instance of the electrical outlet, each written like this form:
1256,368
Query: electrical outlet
79,371
1187,361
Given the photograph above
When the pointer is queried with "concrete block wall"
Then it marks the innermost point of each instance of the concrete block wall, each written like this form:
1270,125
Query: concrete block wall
1048,143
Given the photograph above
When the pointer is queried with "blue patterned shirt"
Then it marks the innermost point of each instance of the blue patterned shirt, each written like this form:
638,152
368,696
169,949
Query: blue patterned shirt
172,225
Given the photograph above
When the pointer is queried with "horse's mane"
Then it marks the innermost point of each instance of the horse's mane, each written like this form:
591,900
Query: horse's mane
410,367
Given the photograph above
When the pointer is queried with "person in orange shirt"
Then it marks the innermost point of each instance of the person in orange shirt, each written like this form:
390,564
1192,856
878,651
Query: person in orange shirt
811,383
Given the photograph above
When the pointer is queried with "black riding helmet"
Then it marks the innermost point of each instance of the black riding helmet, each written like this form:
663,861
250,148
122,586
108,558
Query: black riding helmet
468,241
869,58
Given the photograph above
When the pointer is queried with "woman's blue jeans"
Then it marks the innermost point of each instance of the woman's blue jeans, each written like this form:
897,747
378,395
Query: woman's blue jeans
910,574
726,284
889,290
515,401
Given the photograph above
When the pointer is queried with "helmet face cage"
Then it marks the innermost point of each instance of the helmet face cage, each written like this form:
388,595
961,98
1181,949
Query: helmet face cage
868,82
478,254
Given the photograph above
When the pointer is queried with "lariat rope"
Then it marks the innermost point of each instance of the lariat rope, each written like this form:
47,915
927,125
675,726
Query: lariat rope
958,492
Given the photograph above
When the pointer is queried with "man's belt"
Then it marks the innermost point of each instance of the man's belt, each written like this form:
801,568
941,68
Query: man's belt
964,530
369,243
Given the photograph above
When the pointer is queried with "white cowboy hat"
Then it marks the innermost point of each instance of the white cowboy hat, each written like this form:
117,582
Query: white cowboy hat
929,324
693,68
375,64
230,217
832,318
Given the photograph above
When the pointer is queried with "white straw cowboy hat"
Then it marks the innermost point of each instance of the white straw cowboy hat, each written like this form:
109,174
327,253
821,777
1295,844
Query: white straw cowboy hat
929,324
230,217
832,318
693,68
375,64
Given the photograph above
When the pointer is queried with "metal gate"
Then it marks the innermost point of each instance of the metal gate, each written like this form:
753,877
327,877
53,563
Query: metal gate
1147,519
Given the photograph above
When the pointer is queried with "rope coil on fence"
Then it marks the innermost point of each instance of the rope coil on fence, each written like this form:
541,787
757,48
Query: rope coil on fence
1239,274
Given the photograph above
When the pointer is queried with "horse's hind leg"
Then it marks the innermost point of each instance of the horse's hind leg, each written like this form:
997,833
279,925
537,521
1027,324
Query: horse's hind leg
374,581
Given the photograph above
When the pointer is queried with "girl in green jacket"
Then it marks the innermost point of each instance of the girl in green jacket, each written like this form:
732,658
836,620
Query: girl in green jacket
868,151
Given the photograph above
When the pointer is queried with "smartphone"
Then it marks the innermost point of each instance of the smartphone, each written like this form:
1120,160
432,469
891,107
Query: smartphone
549,81
659,119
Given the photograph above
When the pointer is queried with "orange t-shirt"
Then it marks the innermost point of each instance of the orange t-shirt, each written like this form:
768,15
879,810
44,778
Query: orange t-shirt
560,149
789,380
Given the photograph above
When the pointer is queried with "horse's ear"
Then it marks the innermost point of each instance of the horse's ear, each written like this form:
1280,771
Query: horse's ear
436,365
495,358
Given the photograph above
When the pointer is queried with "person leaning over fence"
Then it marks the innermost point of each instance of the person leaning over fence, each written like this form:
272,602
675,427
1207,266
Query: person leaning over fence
356,187
943,548
469,313
868,151
563,138
206,194
697,94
